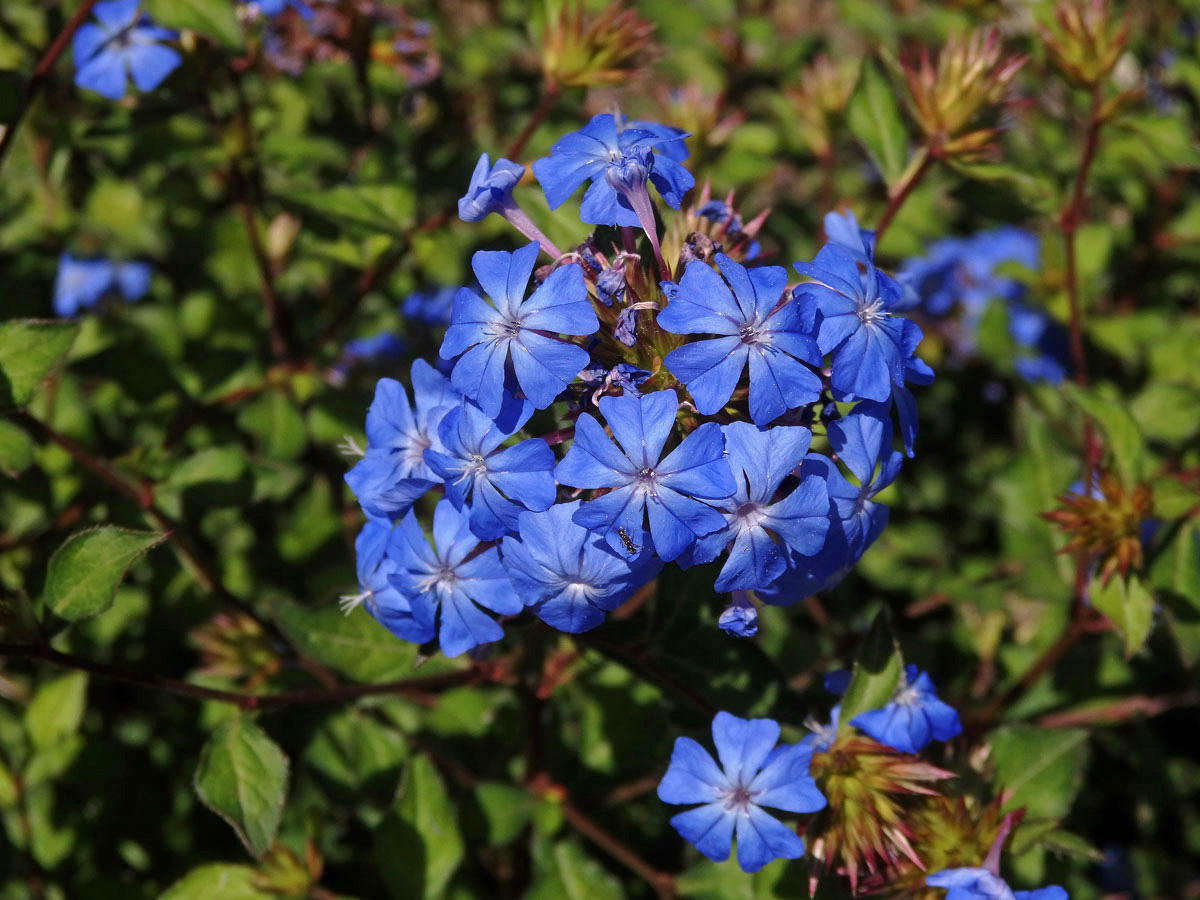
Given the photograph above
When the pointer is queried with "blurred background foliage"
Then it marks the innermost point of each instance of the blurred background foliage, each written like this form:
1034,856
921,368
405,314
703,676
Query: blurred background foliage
314,170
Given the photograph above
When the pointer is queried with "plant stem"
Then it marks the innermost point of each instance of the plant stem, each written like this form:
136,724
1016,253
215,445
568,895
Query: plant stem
912,176
266,272
413,687
662,883
42,70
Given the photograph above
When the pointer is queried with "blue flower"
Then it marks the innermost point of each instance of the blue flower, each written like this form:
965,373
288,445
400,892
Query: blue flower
870,346
672,145
490,189
862,440
641,483
760,460
1046,340
492,335
382,599
823,735
915,372
568,575
82,283
382,347
980,884
393,473
448,579
843,229
912,718
745,308
122,43
753,773
617,162
739,618
963,270
499,483
432,308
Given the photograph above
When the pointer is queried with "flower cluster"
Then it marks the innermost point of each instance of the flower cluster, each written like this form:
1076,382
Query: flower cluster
599,416
122,44
82,283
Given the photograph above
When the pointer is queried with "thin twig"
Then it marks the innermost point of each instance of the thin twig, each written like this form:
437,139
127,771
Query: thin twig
42,70
276,324
662,883
413,687
901,193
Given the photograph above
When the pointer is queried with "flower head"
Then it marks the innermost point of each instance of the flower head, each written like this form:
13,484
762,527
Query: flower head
393,472
450,579
739,618
759,528
507,330
618,163
568,575
497,481
754,773
383,600
121,44
870,346
980,884
432,308
491,187
912,718
643,483
774,338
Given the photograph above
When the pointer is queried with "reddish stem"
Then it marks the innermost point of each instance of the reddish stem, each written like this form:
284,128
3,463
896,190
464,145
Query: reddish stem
42,70
897,197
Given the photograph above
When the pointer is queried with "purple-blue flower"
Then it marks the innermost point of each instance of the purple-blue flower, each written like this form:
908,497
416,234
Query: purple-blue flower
744,307
963,270
869,345
497,482
617,162
393,473
739,618
490,188
980,884
82,283
121,44
759,528
863,442
843,229
507,331
643,484
275,7
386,604
912,718
1046,341
754,773
450,579
568,575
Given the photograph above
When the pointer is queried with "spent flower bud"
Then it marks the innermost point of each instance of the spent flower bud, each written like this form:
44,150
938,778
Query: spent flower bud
586,50
1085,39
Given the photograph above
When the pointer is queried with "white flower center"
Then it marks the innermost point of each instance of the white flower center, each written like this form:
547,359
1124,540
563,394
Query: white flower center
869,313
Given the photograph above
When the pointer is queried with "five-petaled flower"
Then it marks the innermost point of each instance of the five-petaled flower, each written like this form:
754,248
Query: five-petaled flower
497,481
121,44
490,336
912,718
869,345
641,483
758,326
569,576
753,773
446,580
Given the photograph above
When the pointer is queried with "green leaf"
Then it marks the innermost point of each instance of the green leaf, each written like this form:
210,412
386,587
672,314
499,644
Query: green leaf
568,873
29,349
418,847
353,749
84,572
211,465
379,208
876,674
217,881
1122,437
1128,604
1037,768
217,20
1175,574
242,777
274,420
874,118
506,809
56,710
16,449
355,645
